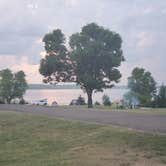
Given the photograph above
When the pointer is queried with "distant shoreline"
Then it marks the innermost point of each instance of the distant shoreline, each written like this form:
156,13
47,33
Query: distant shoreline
66,86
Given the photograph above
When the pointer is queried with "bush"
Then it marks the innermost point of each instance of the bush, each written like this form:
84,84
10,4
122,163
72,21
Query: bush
97,103
22,101
106,100
160,99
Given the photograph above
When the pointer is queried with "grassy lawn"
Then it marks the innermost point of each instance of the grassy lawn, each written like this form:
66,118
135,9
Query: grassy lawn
155,111
27,140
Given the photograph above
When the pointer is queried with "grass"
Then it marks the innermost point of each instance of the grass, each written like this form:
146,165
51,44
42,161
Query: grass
148,111
27,140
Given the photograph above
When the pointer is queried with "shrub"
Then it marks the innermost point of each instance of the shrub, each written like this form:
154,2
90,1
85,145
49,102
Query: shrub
22,101
106,100
97,103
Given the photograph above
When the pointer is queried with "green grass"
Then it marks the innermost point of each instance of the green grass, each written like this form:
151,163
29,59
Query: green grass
155,111
27,140
150,111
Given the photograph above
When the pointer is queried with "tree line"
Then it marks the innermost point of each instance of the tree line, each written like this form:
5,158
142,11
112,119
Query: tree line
143,88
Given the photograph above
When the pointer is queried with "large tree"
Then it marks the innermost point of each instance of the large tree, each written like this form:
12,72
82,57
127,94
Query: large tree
91,61
12,85
55,66
142,85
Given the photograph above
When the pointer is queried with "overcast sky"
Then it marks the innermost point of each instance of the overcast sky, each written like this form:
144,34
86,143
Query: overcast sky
141,23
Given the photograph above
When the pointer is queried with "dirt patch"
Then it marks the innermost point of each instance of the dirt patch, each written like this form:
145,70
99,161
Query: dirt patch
93,155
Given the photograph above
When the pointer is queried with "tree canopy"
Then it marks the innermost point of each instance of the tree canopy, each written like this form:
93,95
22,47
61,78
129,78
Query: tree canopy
12,85
161,97
55,66
142,85
92,59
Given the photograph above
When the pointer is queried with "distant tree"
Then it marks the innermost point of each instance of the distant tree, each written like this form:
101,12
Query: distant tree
142,85
12,85
20,84
161,97
6,85
97,103
131,99
106,100
92,60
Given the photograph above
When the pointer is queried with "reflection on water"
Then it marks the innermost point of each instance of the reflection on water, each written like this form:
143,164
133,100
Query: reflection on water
64,96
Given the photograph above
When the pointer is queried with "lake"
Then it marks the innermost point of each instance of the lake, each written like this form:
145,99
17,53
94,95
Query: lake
64,96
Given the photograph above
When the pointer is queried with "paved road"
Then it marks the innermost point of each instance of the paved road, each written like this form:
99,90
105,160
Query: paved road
143,122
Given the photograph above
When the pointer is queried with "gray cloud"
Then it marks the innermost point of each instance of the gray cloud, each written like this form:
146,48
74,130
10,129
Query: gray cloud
141,24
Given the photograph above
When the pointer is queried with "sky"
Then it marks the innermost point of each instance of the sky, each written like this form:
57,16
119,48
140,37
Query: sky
141,24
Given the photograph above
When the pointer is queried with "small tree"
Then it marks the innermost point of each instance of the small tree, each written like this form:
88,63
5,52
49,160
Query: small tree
131,99
6,85
142,84
97,103
106,100
12,85
92,60
20,84
161,97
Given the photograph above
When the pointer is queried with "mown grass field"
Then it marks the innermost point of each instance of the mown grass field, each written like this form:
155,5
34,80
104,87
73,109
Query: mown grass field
27,140
155,111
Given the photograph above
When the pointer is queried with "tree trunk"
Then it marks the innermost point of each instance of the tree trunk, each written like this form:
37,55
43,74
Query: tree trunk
90,103
8,100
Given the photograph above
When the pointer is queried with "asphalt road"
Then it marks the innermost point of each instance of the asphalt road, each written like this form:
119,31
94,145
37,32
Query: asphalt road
138,121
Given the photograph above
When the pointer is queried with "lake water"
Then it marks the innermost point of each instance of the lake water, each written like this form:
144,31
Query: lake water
64,96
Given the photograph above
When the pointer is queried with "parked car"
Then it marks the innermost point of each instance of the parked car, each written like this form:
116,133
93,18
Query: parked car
40,102
79,101
74,102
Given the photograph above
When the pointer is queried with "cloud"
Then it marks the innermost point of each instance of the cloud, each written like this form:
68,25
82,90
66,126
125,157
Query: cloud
148,10
43,54
31,71
140,23
39,41
145,40
6,61
71,3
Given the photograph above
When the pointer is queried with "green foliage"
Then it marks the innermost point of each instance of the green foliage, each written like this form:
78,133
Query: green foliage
6,85
96,52
20,84
160,99
106,100
97,103
55,66
54,42
12,85
143,85
131,99
92,60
